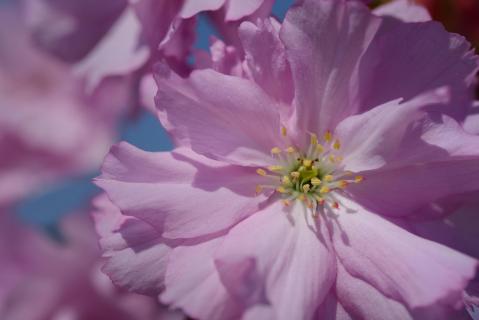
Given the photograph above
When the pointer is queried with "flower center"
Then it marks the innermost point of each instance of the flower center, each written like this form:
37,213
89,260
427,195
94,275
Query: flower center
312,176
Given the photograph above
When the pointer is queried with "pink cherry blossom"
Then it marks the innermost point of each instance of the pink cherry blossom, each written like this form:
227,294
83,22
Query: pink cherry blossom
293,187
42,279
49,127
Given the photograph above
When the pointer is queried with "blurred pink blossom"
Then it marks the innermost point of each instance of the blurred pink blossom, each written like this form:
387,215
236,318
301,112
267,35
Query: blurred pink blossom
123,38
49,126
295,182
46,280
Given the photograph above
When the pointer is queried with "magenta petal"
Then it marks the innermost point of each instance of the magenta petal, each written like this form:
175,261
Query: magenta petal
325,41
266,58
279,257
193,284
402,266
136,257
181,194
220,116
404,10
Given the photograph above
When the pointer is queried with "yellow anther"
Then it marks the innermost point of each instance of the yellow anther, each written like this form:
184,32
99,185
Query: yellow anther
276,150
286,180
315,181
306,188
332,158
259,189
295,174
261,172
324,189
281,189
328,136
284,131
319,148
314,139
290,150
286,202
328,178
301,197
343,184
337,144
358,179
275,168
307,163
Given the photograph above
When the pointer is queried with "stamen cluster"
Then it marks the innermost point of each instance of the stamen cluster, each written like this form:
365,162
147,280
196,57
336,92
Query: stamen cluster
311,176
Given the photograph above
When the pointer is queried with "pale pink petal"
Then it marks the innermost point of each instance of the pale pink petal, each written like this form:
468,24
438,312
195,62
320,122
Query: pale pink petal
222,58
266,58
148,89
471,123
191,8
436,161
371,139
325,41
181,194
136,257
220,116
237,9
278,253
331,309
364,301
193,284
406,268
404,10
260,311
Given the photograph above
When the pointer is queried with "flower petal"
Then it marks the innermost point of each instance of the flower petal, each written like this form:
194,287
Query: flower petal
425,57
404,10
191,8
373,138
266,58
237,9
181,194
193,284
404,267
220,116
281,259
136,257
325,41
366,302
